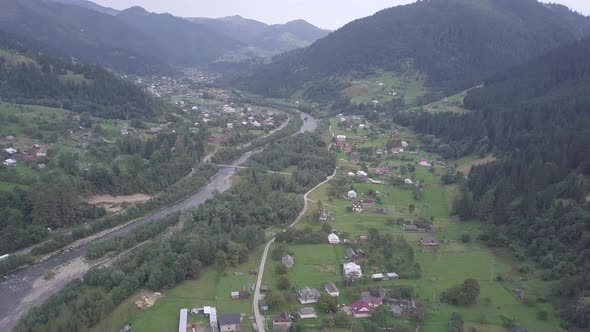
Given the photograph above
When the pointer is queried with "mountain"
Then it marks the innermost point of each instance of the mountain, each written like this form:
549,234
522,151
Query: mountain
29,77
90,36
535,117
269,39
186,43
89,5
457,43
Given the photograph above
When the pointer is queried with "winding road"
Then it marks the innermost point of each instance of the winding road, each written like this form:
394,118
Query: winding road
257,295
26,288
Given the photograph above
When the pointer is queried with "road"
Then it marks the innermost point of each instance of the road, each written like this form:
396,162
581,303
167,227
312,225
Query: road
26,288
257,296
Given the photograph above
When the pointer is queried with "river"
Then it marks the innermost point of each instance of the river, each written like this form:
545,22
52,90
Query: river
26,288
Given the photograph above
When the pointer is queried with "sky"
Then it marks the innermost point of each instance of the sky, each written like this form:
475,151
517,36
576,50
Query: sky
328,14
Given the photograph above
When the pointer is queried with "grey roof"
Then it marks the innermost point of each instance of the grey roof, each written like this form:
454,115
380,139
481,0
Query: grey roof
330,287
229,319
288,260
307,311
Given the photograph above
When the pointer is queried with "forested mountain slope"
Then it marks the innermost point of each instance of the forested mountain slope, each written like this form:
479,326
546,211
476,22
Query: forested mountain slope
74,31
457,43
185,43
89,5
271,39
28,77
535,198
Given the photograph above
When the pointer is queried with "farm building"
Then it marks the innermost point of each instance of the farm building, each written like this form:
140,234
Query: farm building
282,322
229,322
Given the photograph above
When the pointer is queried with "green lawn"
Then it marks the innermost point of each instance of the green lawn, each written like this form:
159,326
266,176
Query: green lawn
211,289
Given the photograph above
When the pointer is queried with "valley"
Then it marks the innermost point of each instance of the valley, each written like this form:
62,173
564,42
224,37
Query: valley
422,169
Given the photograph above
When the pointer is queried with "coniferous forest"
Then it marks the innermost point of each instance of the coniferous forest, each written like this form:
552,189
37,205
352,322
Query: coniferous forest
536,119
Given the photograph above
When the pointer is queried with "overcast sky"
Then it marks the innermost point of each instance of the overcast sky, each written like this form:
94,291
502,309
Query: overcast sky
329,14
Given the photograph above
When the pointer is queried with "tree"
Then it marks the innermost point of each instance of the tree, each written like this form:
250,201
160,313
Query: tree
412,208
464,294
327,303
275,299
465,237
179,146
221,260
446,151
281,270
341,319
456,323
283,282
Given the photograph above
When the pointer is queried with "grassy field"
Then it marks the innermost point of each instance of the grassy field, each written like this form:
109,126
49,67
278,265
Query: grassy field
211,289
385,86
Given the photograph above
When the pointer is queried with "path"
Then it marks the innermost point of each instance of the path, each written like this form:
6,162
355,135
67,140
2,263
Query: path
257,296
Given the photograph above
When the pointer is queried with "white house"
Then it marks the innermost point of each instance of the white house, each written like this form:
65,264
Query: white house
11,151
308,295
307,312
405,144
361,174
352,271
9,162
351,174
408,181
333,239
352,194
425,163
331,289
392,275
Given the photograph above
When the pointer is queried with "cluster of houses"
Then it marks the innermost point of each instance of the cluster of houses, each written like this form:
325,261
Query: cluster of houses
12,155
226,322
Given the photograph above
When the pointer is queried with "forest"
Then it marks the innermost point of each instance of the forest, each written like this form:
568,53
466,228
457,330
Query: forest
221,233
28,77
131,165
424,36
536,119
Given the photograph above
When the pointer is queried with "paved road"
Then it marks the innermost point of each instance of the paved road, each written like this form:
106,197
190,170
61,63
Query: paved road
26,288
257,296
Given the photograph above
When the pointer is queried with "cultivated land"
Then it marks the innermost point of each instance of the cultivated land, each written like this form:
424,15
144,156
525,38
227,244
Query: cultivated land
385,86
442,268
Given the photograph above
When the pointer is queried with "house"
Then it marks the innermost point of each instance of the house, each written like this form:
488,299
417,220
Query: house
229,322
331,289
308,295
263,305
333,239
352,194
408,182
405,144
323,215
377,277
428,241
243,294
352,271
411,228
350,174
183,320
361,174
154,130
362,308
282,322
10,138
41,153
235,295
307,312
425,163
351,254
10,151
399,307
211,312
391,275
9,162
288,261
363,238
